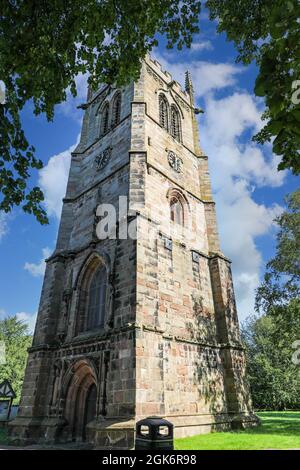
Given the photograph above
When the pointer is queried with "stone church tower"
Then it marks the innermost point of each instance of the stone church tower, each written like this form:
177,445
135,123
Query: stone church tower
142,322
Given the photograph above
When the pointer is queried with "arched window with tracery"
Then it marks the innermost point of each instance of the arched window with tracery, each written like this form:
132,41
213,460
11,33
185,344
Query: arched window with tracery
104,119
163,112
176,210
116,109
96,299
175,123
92,297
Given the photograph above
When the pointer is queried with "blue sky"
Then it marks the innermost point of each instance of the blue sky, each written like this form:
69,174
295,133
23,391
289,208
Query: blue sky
247,187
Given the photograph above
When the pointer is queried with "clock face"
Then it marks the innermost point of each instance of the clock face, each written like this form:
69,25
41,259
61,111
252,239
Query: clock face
175,162
102,159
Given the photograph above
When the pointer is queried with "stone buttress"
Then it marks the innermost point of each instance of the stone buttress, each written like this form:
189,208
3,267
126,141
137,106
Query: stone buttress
140,324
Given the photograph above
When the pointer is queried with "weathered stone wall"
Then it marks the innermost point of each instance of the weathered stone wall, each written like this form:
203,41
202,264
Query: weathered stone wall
35,386
170,344
158,81
176,377
185,299
57,343
173,291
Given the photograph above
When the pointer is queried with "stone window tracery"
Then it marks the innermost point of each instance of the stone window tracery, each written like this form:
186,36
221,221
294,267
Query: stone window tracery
163,112
96,299
176,210
116,109
175,123
104,119
93,289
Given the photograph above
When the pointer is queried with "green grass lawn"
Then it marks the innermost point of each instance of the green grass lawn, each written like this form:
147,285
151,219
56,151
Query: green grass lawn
279,430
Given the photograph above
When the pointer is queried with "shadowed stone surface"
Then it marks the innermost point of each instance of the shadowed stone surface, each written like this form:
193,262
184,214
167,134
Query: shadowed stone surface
170,344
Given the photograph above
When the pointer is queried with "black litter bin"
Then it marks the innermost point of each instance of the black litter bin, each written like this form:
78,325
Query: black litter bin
154,433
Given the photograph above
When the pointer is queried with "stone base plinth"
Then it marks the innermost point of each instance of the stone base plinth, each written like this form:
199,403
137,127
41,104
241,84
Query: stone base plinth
120,434
100,434
191,425
111,434
27,431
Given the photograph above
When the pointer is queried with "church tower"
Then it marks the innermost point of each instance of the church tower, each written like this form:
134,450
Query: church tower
137,315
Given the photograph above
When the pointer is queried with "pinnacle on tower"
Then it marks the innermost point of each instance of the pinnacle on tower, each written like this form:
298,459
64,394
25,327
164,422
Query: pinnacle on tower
189,84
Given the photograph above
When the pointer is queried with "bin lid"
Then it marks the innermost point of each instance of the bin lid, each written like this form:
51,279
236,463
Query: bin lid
155,421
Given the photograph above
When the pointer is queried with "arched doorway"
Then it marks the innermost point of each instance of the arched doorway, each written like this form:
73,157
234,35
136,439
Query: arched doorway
90,408
81,399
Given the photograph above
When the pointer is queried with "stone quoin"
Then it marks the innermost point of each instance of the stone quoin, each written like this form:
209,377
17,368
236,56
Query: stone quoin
136,326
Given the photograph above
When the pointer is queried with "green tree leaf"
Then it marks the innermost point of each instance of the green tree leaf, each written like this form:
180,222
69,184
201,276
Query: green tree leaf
45,45
268,33
17,340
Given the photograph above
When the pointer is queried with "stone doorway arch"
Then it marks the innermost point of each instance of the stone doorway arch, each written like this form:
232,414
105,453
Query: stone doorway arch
81,400
90,408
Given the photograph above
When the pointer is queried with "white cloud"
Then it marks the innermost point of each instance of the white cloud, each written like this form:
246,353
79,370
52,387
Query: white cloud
38,269
237,167
211,77
207,76
3,224
204,45
81,86
53,181
241,221
69,107
29,318
222,126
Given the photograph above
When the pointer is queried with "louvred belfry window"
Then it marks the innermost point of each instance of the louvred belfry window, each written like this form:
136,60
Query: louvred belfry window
175,123
116,112
163,112
176,211
104,119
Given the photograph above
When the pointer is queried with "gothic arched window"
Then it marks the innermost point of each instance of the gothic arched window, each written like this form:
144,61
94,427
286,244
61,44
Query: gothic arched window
104,119
116,109
176,210
163,112
175,123
96,295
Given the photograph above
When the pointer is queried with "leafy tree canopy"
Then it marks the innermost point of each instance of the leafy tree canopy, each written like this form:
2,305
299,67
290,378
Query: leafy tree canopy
268,32
45,45
281,282
272,340
17,340
273,375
